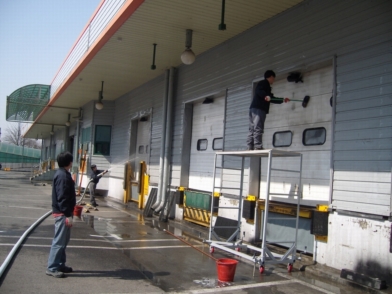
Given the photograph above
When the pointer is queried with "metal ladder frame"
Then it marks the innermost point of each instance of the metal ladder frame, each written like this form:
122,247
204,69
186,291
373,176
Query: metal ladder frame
266,256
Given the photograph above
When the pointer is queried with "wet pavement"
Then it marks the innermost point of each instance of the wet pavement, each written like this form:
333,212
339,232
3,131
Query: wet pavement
117,250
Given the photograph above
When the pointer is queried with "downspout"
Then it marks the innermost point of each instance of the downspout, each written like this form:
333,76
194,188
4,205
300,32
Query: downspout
332,159
76,147
163,139
168,140
51,149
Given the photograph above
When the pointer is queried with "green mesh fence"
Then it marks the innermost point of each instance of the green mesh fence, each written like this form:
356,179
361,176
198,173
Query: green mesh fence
18,154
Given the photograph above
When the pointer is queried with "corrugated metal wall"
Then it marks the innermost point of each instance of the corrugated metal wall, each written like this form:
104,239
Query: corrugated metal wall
310,33
145,98
363,137
358,32
101,117
88,114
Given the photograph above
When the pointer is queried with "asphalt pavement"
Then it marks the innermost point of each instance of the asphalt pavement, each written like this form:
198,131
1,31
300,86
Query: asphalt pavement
116,250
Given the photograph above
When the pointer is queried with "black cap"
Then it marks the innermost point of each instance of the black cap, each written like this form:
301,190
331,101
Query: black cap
93,166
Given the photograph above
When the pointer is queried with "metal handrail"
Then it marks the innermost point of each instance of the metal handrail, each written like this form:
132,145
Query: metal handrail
97,24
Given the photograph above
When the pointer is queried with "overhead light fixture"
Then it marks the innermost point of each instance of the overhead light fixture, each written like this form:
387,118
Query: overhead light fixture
222,25
52,131
188,57
99,104
68,123
153,57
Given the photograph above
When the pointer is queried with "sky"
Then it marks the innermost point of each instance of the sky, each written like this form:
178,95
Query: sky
35,38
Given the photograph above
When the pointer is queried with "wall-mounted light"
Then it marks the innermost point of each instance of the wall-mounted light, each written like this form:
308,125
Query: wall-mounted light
295,77
99,104
208,100
188,57
153,57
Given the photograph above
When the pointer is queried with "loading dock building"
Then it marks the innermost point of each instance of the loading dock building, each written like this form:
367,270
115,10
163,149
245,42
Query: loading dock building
174,116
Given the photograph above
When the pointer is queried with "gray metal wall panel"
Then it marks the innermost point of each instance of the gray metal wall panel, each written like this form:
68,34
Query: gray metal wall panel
88,114
105,115
358,32
147,97
326,28
120,133
363,136
277,44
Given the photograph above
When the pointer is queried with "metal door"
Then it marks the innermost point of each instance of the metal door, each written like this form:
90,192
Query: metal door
207,137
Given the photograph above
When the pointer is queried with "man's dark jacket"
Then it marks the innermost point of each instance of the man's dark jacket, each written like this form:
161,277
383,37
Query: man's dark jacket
262,90
63,193
95,177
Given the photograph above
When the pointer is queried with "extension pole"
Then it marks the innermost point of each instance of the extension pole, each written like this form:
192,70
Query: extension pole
191,245
281,99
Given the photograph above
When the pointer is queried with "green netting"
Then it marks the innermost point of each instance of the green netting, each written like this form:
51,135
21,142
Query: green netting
26,103
17,154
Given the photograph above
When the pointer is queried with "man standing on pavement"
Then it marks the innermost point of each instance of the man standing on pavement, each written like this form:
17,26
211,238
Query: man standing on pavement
63,204
259,109
96,175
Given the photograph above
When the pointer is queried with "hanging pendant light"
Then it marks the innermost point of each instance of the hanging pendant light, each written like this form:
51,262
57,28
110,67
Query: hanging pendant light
222,25
99,104
188,57
68,122
153,66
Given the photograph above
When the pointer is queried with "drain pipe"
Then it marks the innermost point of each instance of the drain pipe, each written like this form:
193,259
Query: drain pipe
168,140
76,146
163,140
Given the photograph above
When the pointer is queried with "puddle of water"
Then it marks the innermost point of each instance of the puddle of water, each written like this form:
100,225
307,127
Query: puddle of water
212,283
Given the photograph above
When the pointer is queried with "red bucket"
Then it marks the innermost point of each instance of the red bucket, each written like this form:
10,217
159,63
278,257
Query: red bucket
226,269
78,211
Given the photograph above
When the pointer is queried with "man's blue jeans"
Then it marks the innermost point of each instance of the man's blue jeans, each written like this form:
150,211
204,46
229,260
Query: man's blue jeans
62,234
256,128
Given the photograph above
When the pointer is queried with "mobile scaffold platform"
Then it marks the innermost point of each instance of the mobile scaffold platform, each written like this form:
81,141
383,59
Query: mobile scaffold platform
233,244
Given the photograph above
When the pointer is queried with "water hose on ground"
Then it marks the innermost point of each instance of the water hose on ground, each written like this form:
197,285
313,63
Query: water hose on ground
20,241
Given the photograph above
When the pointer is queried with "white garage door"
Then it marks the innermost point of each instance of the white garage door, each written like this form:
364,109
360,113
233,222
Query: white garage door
207,138
307,130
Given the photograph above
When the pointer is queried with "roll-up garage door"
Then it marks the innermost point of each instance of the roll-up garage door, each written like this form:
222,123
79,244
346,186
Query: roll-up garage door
207,138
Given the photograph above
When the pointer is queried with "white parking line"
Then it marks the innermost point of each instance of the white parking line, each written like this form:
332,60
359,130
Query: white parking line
240,287
95,240
304,283
98,247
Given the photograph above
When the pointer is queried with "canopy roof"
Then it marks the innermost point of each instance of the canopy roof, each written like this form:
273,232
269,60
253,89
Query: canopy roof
120,48
25,103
